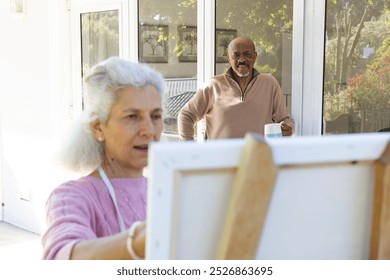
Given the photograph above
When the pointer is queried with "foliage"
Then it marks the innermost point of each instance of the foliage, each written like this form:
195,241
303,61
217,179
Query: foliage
351,26
264,68
188,3
266,20
102,23
366,80
335,105
100,37
382,52
370,89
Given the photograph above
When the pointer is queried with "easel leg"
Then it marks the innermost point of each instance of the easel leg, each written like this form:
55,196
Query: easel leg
380,232
252,191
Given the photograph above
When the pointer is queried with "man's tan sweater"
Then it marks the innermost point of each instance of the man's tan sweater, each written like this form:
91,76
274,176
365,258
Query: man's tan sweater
231,113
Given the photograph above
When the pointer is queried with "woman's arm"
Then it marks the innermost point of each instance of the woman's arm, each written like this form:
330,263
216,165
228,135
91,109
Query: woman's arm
111,247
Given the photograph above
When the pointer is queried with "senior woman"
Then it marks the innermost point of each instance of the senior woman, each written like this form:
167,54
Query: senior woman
100,215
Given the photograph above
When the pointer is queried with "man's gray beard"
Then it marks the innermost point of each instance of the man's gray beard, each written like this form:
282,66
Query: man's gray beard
241,75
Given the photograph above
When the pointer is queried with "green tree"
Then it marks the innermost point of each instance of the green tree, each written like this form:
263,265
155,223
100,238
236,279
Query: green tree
265,20
346,20
370,89
367,90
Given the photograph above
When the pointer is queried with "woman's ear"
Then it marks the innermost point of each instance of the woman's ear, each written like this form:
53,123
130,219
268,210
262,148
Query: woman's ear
96,126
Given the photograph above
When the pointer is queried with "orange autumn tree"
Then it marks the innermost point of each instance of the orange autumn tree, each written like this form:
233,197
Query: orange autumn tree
370,90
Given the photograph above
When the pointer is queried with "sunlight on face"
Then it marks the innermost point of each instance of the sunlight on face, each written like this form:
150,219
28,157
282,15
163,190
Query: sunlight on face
134,122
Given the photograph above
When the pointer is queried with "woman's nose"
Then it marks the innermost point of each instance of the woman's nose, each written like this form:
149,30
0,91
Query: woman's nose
147,127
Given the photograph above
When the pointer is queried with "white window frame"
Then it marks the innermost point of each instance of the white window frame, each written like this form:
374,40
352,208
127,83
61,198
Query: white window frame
308,66
90,6
206,47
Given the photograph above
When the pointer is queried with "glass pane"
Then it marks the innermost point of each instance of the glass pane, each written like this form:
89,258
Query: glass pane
99,38
269,24
168,43
357,67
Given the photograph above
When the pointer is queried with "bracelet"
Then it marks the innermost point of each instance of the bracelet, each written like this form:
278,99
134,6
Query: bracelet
130,238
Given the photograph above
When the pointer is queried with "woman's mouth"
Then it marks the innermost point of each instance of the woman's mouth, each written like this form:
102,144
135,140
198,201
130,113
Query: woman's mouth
142,147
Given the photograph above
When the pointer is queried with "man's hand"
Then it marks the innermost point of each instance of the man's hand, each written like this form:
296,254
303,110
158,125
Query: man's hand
286,129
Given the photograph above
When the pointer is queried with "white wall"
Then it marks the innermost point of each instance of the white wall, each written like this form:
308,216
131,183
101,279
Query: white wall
34,106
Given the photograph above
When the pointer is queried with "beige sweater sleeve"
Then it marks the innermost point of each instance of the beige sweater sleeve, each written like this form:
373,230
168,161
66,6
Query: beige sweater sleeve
193,112
186,124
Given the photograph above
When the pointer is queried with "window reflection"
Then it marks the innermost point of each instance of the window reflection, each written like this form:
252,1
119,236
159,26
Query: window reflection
269,24
357,67
168,43
99,38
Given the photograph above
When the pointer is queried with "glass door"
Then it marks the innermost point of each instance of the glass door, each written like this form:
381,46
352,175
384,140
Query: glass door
99,37
168,42
357,67
269,23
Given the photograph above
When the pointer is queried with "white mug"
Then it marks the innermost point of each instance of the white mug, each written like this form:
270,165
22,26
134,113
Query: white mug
272,130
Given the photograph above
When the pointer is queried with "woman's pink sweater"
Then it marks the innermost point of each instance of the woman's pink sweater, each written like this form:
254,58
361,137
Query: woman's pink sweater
83,210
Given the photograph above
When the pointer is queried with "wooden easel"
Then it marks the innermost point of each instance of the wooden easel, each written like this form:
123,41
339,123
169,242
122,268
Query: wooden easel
252,191
380,231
